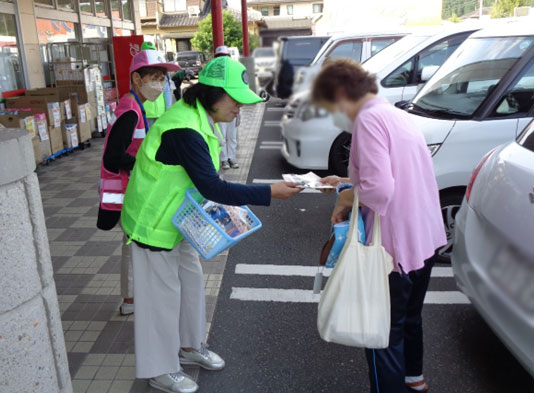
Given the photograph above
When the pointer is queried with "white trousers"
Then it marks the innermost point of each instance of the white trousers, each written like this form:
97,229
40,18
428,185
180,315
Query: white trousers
229,146
126,269
170,307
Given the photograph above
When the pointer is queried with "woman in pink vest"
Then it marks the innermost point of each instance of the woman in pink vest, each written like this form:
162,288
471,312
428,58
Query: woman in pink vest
148,72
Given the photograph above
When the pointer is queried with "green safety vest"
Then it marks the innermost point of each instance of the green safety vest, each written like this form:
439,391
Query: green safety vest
154,109
155,190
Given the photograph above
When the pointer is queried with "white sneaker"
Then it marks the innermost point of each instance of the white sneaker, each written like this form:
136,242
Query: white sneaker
204,358
174,383
126,309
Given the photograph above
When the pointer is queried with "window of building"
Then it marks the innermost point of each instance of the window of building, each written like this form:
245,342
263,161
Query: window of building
265,11
317,8
12,77
290,9
121,32
94,32
65,4
276,10
142,7
45,2
100,8
174,5
127,10
86,6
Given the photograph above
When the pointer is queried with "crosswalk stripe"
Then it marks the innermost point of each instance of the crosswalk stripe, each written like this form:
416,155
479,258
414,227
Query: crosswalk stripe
275,109
271,181
272,123
307,271
270,147
272,142
307,296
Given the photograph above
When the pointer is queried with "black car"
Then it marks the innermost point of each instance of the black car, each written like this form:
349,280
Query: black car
191,60
294,52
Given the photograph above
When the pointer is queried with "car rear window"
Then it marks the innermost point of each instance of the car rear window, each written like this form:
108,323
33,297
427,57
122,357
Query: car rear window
301,49
526,139
188,56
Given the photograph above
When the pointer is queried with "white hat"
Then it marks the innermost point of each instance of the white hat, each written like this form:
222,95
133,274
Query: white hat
222,50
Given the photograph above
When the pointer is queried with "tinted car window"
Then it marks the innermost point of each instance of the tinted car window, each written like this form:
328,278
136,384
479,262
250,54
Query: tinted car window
189,56
519,100
526,139
378,44
296,49
347,49
401,76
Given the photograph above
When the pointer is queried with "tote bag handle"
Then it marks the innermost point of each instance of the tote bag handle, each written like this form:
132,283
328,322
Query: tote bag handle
353,234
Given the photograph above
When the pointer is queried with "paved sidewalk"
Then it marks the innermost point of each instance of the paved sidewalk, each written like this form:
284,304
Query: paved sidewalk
100,342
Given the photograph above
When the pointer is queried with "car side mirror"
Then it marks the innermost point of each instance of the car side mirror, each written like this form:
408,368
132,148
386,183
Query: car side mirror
427,73
403,104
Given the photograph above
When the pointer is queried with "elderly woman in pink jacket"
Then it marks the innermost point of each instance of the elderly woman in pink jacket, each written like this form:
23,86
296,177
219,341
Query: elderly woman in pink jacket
391,166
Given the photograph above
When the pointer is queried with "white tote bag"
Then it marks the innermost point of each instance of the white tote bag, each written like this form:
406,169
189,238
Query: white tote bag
355,307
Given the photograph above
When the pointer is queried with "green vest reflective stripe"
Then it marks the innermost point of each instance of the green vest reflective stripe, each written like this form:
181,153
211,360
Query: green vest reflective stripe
155,190
155,109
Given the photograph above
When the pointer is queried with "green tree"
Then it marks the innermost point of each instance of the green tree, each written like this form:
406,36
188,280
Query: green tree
454,18
505,8
461,7
203,38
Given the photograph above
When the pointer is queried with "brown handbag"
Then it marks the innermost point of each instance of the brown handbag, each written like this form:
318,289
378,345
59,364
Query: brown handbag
327,247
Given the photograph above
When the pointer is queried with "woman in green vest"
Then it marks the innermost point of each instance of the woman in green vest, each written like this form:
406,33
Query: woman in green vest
181,151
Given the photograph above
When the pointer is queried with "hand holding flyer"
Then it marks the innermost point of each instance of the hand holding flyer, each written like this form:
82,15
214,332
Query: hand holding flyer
309,180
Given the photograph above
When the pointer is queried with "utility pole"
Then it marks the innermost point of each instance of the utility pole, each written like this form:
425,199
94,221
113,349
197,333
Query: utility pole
217,24
244,23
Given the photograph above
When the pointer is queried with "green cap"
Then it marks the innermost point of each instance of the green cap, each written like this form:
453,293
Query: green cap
147,45
232,76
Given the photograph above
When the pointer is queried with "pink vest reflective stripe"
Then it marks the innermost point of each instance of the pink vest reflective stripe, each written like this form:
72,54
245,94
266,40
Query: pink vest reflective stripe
113,185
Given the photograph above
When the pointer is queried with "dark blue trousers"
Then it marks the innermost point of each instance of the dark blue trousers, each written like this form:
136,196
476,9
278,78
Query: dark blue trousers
404,356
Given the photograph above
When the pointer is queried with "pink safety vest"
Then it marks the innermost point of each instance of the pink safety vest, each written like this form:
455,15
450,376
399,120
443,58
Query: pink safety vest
113,185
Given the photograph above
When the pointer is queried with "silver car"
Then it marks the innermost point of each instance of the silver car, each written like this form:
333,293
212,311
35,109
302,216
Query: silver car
493,257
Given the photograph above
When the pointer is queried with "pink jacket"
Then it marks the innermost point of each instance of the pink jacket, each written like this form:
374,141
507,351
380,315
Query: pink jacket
392,166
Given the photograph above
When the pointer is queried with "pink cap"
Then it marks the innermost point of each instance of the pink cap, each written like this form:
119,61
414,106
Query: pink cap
151,58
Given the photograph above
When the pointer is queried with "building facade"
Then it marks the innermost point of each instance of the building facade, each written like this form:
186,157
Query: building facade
51,28
292,8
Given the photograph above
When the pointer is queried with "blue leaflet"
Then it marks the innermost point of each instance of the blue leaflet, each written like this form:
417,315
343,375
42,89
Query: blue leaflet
341,231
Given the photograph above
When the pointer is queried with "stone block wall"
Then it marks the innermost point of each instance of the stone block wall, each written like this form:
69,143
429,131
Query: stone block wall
32,347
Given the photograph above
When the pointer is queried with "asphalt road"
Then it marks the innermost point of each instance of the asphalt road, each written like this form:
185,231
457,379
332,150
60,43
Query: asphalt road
273,346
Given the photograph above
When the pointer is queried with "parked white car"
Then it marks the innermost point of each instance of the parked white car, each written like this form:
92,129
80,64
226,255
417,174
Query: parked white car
312,141
264,61
356,46
482,97
493,258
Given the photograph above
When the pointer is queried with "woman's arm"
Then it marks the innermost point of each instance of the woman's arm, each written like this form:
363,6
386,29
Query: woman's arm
187,148
120,137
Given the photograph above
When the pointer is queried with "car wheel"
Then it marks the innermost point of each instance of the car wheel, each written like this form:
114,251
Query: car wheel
338,161
450,204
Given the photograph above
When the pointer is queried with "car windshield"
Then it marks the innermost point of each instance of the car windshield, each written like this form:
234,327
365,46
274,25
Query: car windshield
187,56
470,75
264,52
392,52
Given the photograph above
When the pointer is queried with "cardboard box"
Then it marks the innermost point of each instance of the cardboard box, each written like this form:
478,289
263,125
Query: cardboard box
41,128
46,149
38,104
11,121
71,135
84,128
56,139
36,142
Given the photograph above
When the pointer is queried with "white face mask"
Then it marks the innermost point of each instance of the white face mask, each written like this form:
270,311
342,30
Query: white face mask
342,121
152,90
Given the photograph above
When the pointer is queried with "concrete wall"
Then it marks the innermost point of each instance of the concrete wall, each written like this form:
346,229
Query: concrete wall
32,347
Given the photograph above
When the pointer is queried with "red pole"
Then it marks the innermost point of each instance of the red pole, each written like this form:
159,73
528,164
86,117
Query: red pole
217,23
244,23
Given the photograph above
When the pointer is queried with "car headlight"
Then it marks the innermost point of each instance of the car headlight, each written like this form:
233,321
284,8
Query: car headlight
434,148
309,111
